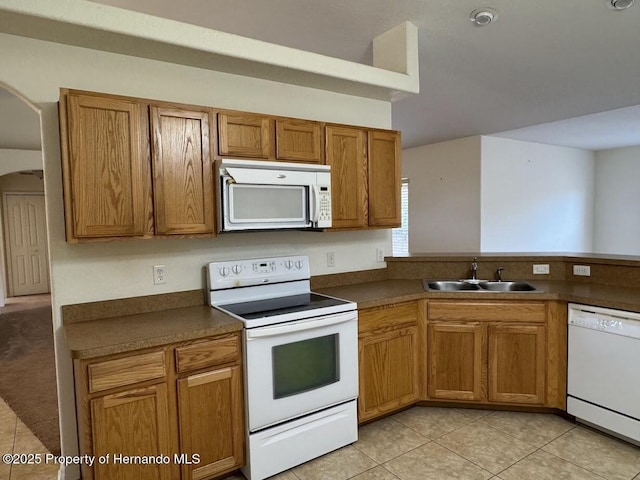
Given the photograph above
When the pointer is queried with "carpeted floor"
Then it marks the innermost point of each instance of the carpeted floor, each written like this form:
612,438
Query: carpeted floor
28,376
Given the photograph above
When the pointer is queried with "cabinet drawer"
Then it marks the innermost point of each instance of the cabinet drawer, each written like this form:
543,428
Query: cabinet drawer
387,317
486,311
208,353
126,371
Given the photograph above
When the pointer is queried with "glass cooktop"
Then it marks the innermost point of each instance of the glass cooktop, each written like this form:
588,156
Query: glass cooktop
272,307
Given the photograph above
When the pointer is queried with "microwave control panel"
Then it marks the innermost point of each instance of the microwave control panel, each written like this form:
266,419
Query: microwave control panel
324,197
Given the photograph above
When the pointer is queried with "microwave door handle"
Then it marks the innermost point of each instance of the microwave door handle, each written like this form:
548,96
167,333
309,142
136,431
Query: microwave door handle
315,203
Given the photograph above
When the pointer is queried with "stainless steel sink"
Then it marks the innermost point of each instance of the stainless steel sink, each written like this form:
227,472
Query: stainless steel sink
449,285
481,286
507,286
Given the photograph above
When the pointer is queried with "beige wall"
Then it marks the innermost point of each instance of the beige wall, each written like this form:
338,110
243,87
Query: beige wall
617,196
83,273
444,196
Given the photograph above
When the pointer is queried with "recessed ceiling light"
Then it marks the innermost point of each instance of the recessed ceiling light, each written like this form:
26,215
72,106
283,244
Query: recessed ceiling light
620,4
484,16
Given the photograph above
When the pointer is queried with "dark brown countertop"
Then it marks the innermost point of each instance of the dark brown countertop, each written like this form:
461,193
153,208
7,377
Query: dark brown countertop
129,332
373,294
126,333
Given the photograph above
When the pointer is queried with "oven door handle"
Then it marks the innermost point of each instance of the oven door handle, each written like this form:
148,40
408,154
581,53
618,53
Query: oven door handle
300,326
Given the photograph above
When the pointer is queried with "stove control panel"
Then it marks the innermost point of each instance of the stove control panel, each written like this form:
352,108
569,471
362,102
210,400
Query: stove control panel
257,271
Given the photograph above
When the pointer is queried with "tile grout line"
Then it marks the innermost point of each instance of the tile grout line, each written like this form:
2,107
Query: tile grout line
479,419
566,459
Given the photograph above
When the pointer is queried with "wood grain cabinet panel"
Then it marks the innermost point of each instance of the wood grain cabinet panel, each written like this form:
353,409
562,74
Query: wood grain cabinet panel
457,361
246,135
126,371
347,156
105,163
299,141
132,423
389,352
211,422
183,190
388,371
517,363
384,179
208,353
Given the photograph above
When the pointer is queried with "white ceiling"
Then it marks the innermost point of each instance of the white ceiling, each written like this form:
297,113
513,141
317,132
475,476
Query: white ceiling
542,61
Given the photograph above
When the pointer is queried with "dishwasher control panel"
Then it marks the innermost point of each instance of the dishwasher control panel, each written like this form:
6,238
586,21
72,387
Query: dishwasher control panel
605,320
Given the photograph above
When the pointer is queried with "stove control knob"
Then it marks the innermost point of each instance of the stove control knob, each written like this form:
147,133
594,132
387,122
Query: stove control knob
224,271
288,264
237,269
299,264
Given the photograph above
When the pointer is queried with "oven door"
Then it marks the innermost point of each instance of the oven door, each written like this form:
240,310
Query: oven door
300,367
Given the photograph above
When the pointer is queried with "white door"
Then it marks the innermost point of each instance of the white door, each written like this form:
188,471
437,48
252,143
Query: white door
26,233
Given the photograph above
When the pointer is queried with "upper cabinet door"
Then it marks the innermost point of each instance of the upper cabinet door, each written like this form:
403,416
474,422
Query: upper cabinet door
246,135
183,189
107,178
299,140
347,156
384,179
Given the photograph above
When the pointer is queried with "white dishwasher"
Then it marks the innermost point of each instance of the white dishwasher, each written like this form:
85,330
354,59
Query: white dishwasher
603,376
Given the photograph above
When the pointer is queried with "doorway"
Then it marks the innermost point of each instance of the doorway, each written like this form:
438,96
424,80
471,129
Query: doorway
26,244
28,409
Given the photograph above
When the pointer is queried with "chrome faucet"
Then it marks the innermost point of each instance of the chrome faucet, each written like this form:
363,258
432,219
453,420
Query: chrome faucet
474,269
499,273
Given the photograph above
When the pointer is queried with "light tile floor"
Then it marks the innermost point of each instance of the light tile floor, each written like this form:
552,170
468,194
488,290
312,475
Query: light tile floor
16,438
425,443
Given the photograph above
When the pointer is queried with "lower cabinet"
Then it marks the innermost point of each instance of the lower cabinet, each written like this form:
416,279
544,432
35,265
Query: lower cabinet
210,409
170,413
493,352
388,339
133,423
457,361
517,363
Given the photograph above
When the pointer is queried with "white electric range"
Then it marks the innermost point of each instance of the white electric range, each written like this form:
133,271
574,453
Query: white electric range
300,361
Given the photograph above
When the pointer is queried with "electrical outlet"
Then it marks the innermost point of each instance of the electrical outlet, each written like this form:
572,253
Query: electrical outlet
331,259
582,270
380,254
541,269
159,274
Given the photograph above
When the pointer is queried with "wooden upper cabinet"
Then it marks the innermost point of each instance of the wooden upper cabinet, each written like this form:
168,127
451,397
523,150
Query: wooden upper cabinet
346,154
384,179
299,141
246,135
105,164
183,191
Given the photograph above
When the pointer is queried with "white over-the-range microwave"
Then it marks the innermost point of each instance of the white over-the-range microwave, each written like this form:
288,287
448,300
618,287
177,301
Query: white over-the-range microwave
261,195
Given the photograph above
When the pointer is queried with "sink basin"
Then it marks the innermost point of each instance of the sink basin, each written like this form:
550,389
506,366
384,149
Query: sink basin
449,285
478,286
507,286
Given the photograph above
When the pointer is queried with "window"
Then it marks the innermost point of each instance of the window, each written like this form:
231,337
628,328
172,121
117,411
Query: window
400,235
